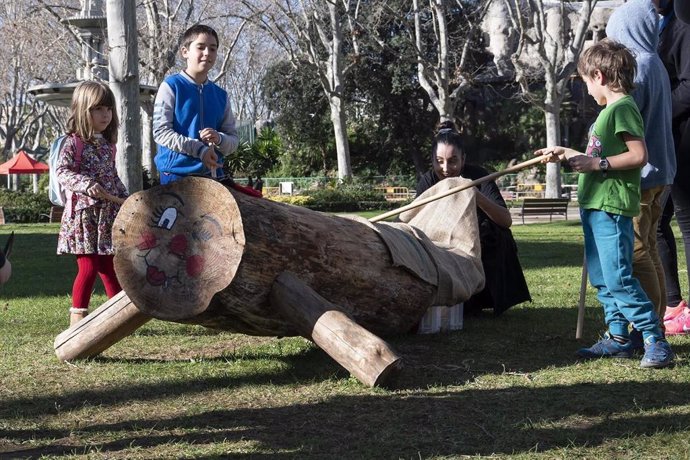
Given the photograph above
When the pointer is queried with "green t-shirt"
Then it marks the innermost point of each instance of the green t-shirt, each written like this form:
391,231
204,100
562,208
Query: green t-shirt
617,192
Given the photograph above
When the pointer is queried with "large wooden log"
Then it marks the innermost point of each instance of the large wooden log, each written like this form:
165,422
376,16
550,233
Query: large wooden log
197,252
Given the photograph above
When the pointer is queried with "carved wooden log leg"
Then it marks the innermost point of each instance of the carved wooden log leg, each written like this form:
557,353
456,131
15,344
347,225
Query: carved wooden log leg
365,355
108,324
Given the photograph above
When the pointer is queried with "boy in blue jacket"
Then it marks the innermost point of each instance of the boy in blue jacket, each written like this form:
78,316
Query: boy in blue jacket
192,117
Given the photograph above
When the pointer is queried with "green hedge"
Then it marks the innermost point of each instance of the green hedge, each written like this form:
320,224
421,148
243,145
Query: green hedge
348,198
24,207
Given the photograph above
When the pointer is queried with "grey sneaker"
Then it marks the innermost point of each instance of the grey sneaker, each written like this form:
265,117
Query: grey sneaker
657,354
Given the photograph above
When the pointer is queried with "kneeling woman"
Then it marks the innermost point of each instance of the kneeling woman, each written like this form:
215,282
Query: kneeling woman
505,284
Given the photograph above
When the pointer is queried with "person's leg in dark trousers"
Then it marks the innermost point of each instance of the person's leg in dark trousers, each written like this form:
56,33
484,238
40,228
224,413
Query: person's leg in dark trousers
666,244
681,207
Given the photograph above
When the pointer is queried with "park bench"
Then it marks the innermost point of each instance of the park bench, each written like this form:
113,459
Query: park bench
55,214
544,207
396,193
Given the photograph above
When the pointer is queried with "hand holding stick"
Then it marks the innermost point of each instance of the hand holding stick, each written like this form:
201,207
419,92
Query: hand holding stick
114,199
98,192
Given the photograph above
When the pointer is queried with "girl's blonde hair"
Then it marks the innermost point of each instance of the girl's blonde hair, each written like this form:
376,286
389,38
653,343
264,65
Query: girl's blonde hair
87,95
615,62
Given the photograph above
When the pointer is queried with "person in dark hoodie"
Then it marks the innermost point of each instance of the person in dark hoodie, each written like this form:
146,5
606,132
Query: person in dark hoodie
635,24
674,50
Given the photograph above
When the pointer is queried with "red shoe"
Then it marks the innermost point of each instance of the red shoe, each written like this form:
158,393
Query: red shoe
679,325
672,312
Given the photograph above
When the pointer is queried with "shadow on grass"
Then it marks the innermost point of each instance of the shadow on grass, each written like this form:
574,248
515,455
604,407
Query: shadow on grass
549,254
410,422
472,422
41,274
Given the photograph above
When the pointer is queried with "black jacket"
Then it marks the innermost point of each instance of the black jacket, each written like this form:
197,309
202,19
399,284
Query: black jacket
505,284
674,49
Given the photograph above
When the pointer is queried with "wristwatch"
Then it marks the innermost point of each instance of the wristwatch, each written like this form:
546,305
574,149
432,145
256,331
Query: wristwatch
604,165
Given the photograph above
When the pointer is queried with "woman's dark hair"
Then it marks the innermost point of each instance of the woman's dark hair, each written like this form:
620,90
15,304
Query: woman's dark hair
446,133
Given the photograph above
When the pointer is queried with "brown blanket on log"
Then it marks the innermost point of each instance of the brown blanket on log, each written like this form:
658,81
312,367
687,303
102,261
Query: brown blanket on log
439,242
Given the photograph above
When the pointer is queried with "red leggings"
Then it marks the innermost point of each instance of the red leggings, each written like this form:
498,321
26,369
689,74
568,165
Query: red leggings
91,265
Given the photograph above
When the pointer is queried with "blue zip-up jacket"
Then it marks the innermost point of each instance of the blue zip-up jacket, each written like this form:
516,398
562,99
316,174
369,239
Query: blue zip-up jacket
181,110
635,24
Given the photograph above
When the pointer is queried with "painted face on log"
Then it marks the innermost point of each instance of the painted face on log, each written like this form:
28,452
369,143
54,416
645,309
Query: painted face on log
168,247
173,245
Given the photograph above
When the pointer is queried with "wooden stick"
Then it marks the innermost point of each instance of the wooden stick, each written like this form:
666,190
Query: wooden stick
457,189
581,303
114,199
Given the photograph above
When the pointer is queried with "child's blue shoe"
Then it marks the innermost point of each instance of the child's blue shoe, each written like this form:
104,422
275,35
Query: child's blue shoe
657,353
607,348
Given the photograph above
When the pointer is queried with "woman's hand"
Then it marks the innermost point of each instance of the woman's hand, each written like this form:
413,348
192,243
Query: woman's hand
497,213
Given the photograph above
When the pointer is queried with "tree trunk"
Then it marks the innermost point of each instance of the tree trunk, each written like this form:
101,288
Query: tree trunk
553,138
124,81
148,146
195,252
342,145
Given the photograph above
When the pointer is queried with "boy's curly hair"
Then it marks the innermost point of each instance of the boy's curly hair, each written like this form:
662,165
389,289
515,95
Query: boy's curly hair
615,62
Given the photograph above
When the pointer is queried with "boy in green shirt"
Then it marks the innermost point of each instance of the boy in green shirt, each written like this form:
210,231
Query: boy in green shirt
609,197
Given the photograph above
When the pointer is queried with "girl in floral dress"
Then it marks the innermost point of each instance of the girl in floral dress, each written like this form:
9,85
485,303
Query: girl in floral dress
86,170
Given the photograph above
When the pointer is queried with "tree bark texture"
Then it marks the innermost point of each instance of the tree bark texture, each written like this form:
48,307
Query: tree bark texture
196,252
124,81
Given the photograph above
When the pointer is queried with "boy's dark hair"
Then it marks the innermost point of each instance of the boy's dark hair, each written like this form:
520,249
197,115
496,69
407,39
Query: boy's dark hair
446,133
615,62
190,34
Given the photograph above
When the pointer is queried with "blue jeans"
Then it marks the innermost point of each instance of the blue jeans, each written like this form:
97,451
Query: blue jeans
609,241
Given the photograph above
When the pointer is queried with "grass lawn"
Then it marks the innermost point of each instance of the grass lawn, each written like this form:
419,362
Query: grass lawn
506,387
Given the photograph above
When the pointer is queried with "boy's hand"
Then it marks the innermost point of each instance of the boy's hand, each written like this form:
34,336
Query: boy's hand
551,154
210,136
210,159
583,163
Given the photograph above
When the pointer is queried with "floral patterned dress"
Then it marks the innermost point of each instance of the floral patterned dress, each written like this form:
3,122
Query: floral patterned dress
87,223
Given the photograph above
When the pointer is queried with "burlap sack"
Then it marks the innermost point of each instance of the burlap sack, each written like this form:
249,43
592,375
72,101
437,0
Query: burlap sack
439,242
